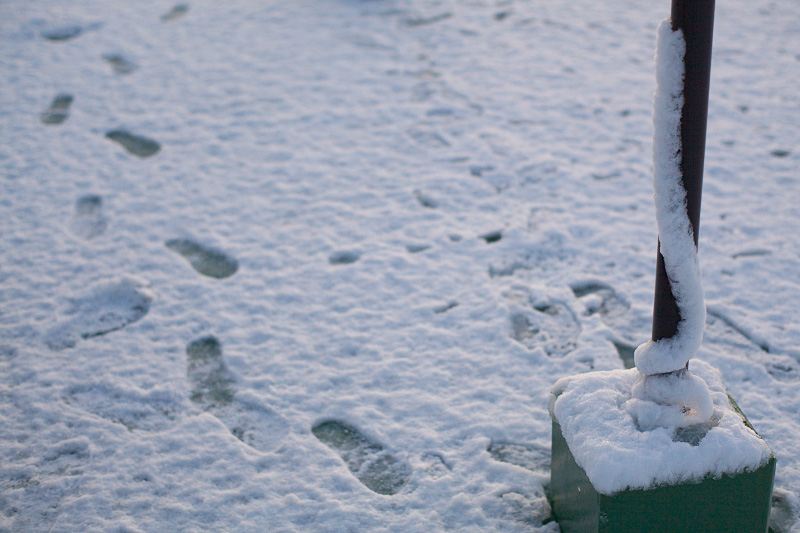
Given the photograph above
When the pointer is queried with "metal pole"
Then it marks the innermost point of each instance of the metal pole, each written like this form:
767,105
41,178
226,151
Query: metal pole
696,19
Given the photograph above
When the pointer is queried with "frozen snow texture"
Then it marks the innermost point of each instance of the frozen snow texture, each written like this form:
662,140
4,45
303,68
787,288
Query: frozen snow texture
616,454
674,228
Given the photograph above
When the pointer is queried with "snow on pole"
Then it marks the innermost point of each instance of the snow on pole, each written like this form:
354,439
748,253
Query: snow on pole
677,247
667,394
683,68
695,19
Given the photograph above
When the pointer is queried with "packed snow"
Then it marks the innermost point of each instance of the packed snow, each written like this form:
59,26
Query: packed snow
316,266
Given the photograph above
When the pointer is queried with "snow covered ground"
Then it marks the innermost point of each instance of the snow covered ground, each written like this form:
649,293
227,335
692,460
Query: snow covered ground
316,265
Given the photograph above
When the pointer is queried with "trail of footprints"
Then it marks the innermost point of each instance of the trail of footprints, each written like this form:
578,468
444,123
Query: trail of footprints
212,388
58,111
114,305
553,326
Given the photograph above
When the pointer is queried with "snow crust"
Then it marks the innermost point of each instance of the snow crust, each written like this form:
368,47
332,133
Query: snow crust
674,228
616,453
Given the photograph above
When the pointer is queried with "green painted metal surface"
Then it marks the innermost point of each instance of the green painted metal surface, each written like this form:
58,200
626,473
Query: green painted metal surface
731,503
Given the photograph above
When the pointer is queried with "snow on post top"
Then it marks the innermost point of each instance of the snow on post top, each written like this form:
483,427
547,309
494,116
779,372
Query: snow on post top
674,228
594,412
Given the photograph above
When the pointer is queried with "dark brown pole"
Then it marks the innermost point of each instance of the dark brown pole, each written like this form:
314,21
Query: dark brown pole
696,19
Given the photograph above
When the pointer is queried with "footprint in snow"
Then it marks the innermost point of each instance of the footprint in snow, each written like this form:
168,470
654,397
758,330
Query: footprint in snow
119,63
528,456
369,462
426,200
782,517
213,388
479,170
417,248
204,259
601,299
492,237
88,220
134,144
530,509
133,408
67,32
107,307
344,257
176,12
441,309
58,111
552,326
212,383
62,33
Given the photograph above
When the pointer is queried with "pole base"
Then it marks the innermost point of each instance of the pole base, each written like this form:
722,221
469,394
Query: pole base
739,502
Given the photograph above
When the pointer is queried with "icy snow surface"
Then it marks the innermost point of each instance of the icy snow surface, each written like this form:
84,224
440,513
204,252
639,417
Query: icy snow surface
315,266
616,454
